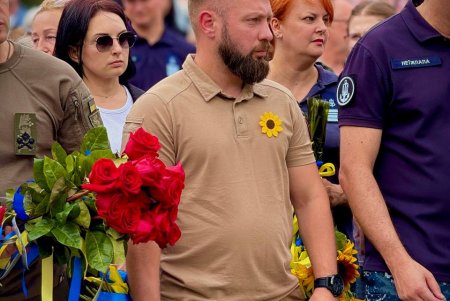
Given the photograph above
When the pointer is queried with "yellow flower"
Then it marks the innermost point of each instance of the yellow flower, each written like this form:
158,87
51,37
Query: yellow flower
270,124
347,264
118,285
302,269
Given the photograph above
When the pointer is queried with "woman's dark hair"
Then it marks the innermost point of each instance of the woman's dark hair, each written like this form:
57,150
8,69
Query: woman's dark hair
74,25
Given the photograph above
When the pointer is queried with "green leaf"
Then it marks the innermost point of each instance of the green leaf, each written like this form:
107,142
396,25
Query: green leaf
84,218
95,139
42,207
38,173
58,196
75,212
53,170
89,201
83,167
68,235
41,228
119,251
99,250
29,227
70,164
62,216
119,246
58,153
114,234
78,174
28,204
341,240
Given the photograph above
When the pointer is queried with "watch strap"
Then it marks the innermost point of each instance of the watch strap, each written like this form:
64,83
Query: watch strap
321,282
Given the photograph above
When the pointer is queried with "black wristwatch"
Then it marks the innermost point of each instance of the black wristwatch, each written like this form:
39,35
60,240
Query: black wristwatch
334,283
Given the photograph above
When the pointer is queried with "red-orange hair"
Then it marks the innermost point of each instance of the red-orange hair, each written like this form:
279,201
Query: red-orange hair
281,8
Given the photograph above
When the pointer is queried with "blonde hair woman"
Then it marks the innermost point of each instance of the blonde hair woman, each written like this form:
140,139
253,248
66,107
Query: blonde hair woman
45,25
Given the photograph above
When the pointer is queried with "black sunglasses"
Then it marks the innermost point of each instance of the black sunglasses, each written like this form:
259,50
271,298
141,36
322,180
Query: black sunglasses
126,40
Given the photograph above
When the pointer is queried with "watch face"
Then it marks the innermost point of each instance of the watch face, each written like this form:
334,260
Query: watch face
337,285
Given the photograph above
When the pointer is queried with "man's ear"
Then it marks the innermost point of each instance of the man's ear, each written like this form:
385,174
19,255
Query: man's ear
74,54
207,23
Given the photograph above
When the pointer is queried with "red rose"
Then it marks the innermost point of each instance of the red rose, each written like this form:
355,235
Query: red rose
140,144
168,190
174,234
119,212
144,232
151,170
170,233
2,213
130,179
105,201
103,176
156,225
128,218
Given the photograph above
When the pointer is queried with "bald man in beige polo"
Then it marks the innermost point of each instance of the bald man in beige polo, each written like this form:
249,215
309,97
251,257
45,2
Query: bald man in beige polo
245,149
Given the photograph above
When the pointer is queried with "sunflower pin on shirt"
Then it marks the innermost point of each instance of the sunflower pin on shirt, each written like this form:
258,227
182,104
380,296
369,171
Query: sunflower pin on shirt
270,124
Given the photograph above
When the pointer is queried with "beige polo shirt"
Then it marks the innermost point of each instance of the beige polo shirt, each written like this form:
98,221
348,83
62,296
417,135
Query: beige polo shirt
235,213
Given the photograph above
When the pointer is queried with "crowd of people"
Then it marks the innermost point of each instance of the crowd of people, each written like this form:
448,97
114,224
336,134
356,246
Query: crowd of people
225,85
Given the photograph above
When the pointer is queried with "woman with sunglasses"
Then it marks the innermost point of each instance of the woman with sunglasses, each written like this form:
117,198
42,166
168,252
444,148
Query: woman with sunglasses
92,37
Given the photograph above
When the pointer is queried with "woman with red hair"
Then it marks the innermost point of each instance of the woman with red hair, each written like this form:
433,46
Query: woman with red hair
300,29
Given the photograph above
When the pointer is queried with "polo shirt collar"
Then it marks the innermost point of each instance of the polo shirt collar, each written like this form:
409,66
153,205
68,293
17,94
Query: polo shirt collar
209,89
417,25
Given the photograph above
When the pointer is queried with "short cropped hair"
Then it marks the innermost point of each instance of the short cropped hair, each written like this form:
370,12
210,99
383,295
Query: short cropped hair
195,6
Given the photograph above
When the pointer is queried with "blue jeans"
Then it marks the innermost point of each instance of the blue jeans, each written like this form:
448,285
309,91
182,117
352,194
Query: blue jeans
379,286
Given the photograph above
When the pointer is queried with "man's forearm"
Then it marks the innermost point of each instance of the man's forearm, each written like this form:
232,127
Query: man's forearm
143,271
316,226
370,210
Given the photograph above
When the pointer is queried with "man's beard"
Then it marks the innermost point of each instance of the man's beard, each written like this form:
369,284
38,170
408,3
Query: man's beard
248,69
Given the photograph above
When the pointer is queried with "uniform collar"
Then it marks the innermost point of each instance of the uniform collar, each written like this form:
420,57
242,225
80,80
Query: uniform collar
326,77
209,89
417,25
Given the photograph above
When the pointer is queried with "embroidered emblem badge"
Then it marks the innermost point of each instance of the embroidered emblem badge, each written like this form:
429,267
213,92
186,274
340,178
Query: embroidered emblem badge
345,91
25,134
270,124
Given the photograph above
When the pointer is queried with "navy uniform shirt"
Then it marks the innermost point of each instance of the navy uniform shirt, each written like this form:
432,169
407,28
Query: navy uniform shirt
397,79
325,88
155,62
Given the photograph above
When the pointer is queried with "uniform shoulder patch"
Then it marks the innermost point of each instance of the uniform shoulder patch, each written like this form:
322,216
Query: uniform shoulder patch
345,90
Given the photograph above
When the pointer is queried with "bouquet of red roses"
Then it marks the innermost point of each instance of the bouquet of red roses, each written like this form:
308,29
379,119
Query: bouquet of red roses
141,196
81,208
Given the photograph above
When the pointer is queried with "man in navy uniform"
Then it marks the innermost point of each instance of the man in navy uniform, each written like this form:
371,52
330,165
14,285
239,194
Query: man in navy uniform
395,164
